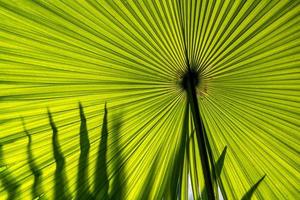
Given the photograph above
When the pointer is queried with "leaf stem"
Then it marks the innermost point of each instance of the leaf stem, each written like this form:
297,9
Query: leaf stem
200,133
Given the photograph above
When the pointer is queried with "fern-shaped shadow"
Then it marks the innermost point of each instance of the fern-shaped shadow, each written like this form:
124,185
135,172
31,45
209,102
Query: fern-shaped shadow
61,190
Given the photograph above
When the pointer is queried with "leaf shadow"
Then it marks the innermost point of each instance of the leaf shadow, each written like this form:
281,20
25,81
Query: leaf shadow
220,163
218,169
8,181
82,183
118,187
175,189
101,182
36,187
60,181
248,195
216,174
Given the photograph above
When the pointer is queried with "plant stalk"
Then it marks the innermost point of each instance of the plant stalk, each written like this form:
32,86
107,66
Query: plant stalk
200,131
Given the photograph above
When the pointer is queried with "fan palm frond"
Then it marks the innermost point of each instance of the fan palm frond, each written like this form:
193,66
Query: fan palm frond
135,59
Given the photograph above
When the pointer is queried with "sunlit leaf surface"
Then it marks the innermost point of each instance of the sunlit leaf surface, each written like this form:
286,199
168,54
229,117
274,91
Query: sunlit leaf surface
131,55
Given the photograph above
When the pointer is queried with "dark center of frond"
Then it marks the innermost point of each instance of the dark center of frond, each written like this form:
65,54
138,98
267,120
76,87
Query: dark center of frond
190,77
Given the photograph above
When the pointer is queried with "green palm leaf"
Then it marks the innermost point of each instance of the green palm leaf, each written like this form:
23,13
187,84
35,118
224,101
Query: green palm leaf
133,55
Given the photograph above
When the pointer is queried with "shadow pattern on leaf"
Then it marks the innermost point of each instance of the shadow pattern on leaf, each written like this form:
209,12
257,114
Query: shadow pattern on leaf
102,189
